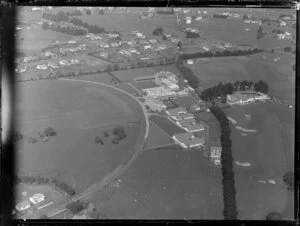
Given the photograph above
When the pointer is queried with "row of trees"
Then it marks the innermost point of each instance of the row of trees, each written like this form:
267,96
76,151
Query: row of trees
158,31
221,90
229,192
187,74
237,52
64,29
44,180
59,17
91,28
190,34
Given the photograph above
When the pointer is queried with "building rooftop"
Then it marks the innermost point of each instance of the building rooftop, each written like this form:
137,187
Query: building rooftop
189,139
176,111
190,124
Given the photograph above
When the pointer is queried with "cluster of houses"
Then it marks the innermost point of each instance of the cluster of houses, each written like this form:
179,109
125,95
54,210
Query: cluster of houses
35,199
253,21
58,64
285,36
246,97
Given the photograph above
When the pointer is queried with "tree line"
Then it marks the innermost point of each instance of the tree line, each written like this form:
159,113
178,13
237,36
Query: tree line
229,192
187,74
222,90
44,180
64,29
237,52
64,17
90,28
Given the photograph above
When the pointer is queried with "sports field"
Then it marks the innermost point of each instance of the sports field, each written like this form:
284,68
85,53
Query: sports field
78,112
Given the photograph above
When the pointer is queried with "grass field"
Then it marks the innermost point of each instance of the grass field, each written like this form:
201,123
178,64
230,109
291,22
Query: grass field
100,77
166,125
166,184
144,85
157,137
78,113
127,88
270,153
280,77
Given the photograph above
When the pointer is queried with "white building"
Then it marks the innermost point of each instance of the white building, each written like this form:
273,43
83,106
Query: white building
41,67
37,198
23,206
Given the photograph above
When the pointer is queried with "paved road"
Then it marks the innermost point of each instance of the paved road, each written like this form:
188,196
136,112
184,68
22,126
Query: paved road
119,170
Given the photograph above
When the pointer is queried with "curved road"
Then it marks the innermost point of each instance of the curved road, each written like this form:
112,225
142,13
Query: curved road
119,170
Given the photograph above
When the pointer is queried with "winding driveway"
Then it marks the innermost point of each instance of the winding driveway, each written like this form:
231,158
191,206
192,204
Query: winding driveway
119,170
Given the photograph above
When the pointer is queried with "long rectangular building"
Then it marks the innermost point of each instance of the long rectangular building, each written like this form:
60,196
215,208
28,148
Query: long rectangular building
188,140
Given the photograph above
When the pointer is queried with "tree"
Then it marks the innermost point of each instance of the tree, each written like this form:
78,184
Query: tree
229,88
105,134
261,86
158,31
76,207
88,12
49,132
288,178
245,17
274,216
164,37
46,26
179,45
98,140
287,49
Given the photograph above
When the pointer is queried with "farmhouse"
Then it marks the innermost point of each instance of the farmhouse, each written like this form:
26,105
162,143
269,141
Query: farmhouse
37,198
246,97
188,140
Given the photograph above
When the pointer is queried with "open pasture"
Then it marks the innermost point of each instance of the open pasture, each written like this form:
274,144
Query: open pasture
78,112
270,154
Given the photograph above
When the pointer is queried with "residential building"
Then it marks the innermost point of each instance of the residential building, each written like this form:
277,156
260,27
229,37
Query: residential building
53,65
37,198
282,23
41,67
23,206
188,140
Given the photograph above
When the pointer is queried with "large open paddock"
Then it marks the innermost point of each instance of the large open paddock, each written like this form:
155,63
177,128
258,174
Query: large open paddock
78,112
270,152
166,184
279,76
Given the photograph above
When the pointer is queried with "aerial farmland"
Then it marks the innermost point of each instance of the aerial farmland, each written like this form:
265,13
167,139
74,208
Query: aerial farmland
154,113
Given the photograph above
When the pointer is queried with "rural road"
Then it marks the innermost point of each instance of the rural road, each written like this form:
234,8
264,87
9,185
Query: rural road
119,170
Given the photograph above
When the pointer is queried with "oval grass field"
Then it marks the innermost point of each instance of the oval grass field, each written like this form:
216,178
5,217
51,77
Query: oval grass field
78,112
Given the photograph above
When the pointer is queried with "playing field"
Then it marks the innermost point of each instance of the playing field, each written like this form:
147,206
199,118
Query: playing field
78,112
